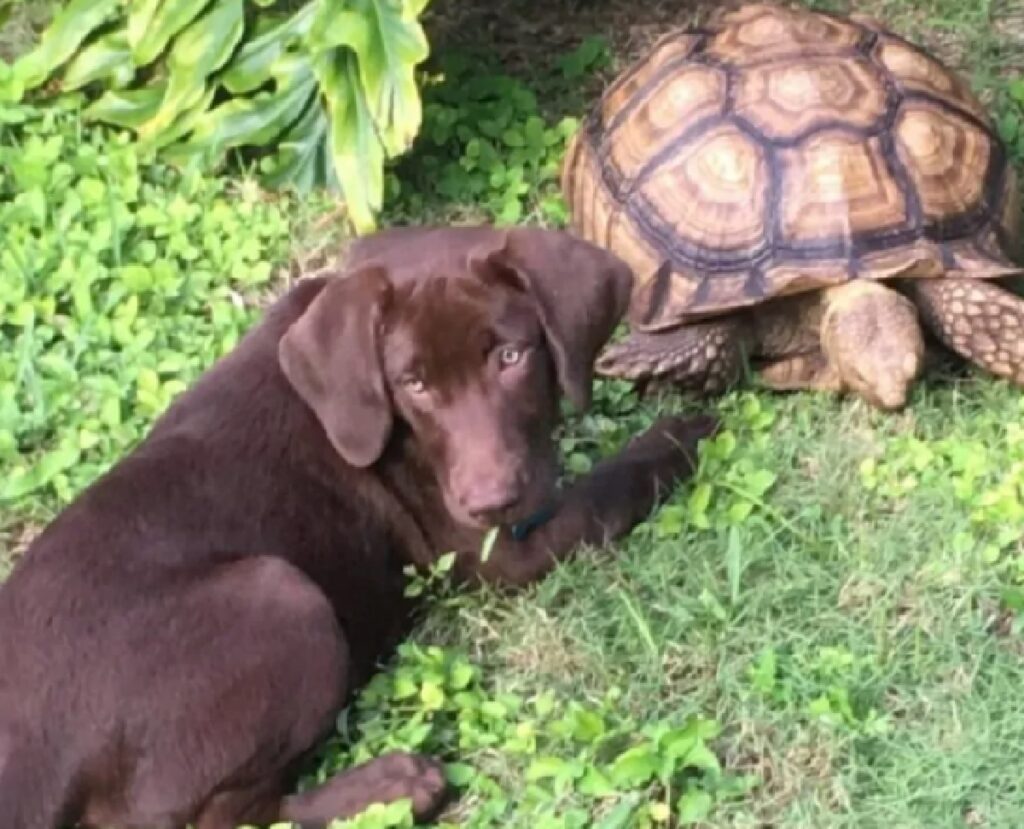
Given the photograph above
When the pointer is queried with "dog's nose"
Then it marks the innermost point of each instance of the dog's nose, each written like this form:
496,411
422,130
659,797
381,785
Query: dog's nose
491,500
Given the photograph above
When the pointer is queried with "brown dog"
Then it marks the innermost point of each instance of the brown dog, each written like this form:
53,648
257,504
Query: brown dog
177,639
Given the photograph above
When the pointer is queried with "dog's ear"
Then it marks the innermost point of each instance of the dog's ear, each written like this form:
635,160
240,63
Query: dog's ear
331,357
581,292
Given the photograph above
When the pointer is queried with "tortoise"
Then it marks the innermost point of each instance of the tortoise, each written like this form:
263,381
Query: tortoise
800,191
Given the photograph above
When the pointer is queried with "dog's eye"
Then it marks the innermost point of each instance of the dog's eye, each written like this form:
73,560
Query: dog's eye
413,384
509,355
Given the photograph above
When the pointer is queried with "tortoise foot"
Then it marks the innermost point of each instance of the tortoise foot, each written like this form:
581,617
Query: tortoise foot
802,372
980,321
704,357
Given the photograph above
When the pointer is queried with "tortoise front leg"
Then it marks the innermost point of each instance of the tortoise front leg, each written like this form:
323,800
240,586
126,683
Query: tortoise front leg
707,357
980,321
802,372
813,372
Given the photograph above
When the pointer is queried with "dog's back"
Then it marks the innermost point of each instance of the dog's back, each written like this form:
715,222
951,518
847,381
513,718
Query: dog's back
232,468
33,795
181,635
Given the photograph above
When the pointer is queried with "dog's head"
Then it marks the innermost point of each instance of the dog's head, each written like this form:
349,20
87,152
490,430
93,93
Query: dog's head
466,336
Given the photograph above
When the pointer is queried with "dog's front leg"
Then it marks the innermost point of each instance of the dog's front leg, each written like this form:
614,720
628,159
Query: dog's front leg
606,504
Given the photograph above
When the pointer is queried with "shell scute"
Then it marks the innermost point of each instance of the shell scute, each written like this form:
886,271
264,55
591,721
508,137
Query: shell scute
946,157
712,188
647,130
838,187
761,31
780,151
915,71
790,97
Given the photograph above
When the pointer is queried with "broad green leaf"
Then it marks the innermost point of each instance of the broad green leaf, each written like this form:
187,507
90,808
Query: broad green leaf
140,19
259,119
432,696
127,107
635,766
459,775
152,24
31,479
678,743
462,674
303,158
405,687
547,767
336,24
701,757
107,57
1008,126
587,726
700,500
154,132
18,483
355,147
197,113
759,482
12,90
1012,598
69,29
694,806
739,511
251,66
388,71
197,52
389,43
594,783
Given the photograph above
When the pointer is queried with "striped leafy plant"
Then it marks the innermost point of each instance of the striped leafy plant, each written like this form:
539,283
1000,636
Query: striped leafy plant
323,92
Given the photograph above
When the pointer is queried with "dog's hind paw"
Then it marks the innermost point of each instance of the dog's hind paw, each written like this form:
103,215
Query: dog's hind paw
386,779
419,778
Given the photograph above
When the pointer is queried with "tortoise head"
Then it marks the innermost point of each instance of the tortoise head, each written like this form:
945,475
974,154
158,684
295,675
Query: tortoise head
872,336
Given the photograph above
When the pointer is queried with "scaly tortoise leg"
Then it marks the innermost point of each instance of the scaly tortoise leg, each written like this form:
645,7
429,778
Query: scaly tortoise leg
707,357
980,321
811,372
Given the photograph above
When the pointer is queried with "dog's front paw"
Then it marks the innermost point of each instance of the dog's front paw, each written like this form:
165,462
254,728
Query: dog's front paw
673,435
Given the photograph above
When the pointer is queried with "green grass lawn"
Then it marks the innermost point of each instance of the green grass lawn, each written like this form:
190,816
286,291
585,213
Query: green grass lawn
849,640
831,607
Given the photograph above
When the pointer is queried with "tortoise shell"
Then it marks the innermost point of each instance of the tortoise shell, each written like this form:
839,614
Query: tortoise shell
780,150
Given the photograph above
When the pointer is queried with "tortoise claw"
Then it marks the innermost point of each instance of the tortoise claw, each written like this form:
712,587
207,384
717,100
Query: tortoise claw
624,361
706,357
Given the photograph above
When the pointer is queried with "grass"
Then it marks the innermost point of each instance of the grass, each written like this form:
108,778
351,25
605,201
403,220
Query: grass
838,590
852,636
859,597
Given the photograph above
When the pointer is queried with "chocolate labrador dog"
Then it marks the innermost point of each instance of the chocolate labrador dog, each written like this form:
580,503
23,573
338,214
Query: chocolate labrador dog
185,631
